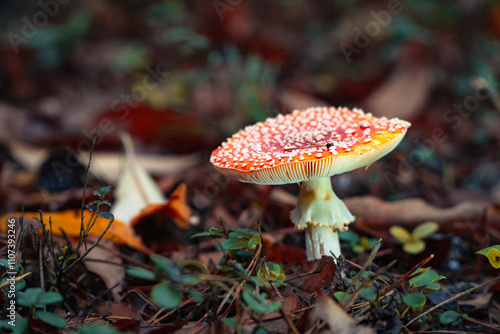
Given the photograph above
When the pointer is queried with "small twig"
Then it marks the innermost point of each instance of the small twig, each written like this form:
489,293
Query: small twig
316,271
482,323
82,227
393,262
89,249
355,294
455,297
18,278
249,270
40,251
369,261
409,275
302,300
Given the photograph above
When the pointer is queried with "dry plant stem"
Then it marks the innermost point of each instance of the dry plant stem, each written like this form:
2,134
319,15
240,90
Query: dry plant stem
250,269
409,275
316,271
82,227
89,249
483,323
18,278
459,295
322,214
369,261
154,320
353,297
393,262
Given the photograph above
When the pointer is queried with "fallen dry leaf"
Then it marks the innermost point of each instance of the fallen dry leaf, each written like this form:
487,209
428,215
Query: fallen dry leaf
338,320
69,221
105,263
175,209
414,211
377,213
403,94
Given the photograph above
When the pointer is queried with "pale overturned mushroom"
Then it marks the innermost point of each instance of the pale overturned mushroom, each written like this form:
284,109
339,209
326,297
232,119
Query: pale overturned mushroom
308,147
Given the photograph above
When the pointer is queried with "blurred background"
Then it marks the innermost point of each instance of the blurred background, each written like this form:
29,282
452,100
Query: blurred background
182,76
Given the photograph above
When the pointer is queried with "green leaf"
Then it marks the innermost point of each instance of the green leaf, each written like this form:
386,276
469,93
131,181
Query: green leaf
105,190
20,328
254,242
424,230
187,280
194,266
341,296
260,282
414,247
107,215
259,304
230,322
414,299
400,233
485,251
21,284
277,273
433,286
50,297
368,294
51,318
201,234
448,317
196,295
141,273
437,297
215,230
244,232
349,236
166,296
245,254
31,295
424,279
72,257
167,266
21,299
358,249
235,243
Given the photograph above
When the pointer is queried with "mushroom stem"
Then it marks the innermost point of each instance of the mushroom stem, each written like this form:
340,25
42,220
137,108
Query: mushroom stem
322,214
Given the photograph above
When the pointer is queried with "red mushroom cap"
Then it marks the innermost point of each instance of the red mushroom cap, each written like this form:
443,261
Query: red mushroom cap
317,142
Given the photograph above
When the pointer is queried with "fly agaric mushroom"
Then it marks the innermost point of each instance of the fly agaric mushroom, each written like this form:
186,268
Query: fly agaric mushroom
308,147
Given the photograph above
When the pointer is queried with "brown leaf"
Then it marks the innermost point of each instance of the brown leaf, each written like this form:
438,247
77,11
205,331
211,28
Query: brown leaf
316,281
111,271
373,212
410,212
403,94
338,320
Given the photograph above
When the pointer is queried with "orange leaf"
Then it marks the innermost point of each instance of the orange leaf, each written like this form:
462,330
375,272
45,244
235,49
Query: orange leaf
175,209
70,222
